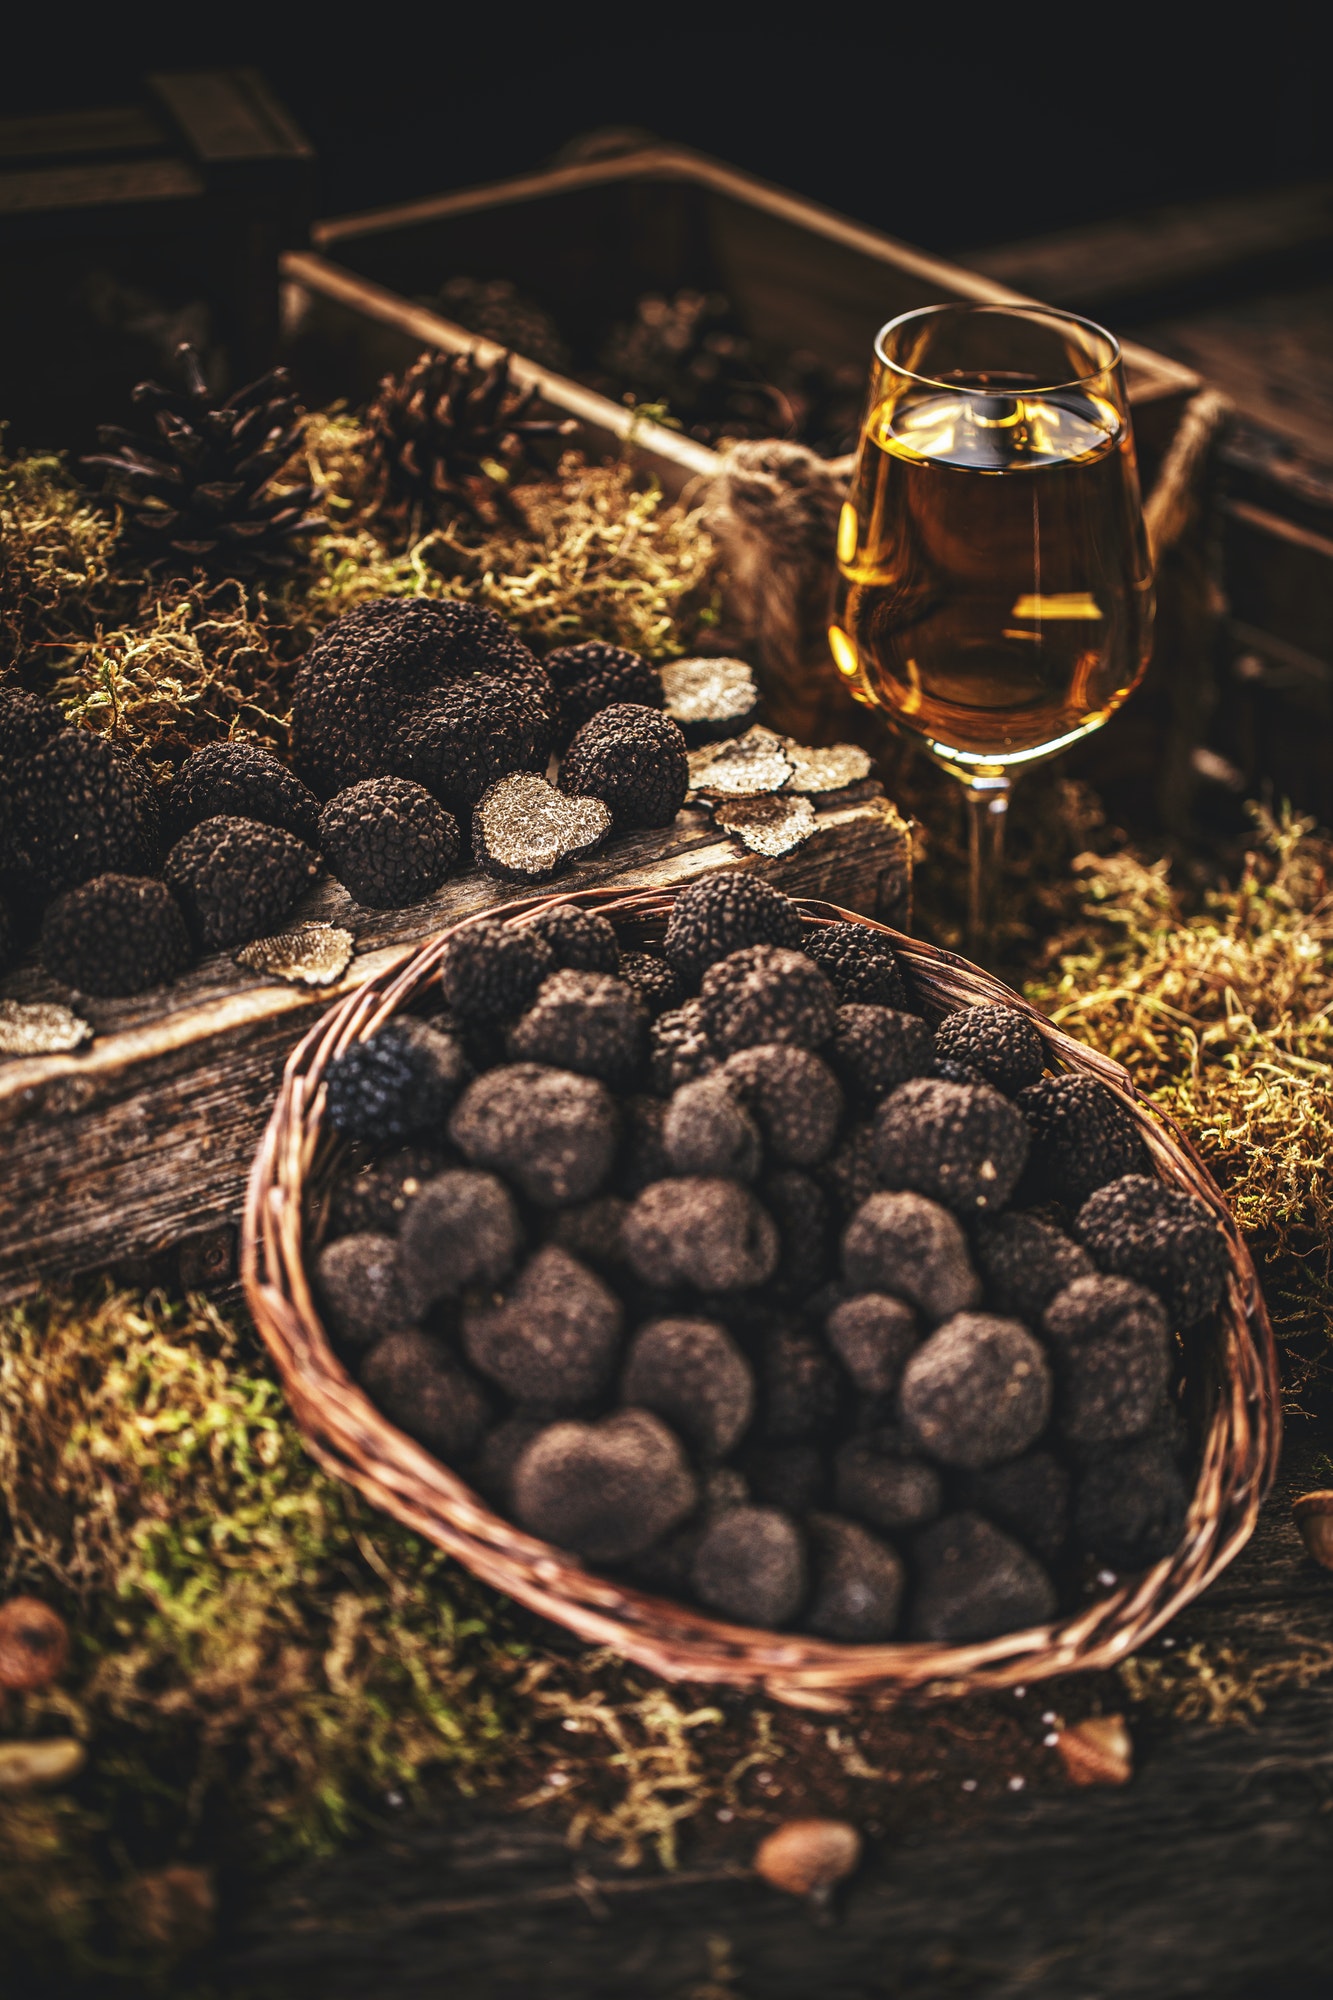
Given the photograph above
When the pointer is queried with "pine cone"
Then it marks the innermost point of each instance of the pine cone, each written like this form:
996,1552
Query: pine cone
451,438
199,494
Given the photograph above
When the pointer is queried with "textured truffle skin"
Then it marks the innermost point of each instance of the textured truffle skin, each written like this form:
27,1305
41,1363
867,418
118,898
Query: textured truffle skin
794,1097
874,1049
765,994
239,780
634,760
491,972
580,940
890,1490
591,1232
789,1476
606,1490
975,1582
461,1230
553,1338
860,963
913,1249
1025,1262
1160,1237
388,841
798,1386
588,1022
496,1460
706,1131
873,1335
418,1383
359,1288
401,1081
79,806
750,1566
1001,1045
26,722
377,1197
962,1144
551,1133
681,1049
1082,1137
595,676
849,1176
691,1373
858,1582
656,983
1111,1346
800,1209
722,913
1130,1505
1029,1497
114,935
977,1392
708,1233
236,880
461,739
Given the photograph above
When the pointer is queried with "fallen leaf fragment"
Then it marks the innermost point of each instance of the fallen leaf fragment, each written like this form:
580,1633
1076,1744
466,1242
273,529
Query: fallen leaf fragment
1099,1751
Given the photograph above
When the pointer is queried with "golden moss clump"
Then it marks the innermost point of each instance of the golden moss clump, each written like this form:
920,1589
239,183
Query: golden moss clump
56,554
1221,1685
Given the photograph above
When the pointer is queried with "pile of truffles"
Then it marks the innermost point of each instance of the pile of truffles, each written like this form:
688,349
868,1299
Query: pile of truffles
724,1270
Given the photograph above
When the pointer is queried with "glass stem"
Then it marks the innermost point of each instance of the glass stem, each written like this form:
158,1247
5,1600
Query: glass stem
988,808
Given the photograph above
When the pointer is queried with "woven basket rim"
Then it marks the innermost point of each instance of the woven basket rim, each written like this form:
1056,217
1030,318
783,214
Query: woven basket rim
353,1441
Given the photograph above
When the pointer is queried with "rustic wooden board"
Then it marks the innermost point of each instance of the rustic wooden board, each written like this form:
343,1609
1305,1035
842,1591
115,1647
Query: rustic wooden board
143,1139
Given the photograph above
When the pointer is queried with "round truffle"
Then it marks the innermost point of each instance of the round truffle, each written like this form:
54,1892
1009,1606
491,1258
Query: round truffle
357,1280
401,1081
891,1490
999,1044
580,940
849,1176
1082,1137
1130,1505
79,806
723,913
551,1133
634,760
656,984
794,1097
461,1230
463,738
375,1197
707,1132
764,994
240,780
1024,1263
588,1022
691,1373
800,1209
236,880
974,1582
874,1049
1112,1351
798,1386
591,1232
429,1394
680,1048
708,1233
1028,1496
873,1336
595,676
859,962
605,1490
114,935
978,1391
789,1476
962,1144
26,722
553,1338
913,1249
858,1582
1161,1237
388,841
750,1566
491,971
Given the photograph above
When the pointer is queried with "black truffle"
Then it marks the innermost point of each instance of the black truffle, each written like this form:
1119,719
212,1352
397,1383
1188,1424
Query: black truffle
1111,1347
892,1490
722,913
974,1582
849,1175
461,1230
551,1133
789,1476
860,963
764,994
962,1144
1082,1137
524,830
553,1338
116,934
634,760
874,1049
1130,1505
873,1336
79,806
708,1233
595,676
750,1566
706,1131
643,1156
591,1232
240,780
680,1048
1160,1237
581,940
913,1249
1025,1262
858,1582
977,1392
491,971
800,1209
375,1197
401,1081
793,1095
605,1490
691,1373
1001,1045
1028,1496
497,1456
357,1281
429,1394
657,985
461,739
798,1386
236,880
388,841
26,722
589,1022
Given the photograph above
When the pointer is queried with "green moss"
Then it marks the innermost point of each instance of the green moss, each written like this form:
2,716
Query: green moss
56,555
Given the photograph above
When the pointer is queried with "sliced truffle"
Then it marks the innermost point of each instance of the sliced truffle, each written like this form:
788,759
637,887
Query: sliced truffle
491,971
79,806
793,1095
581,940
874,1049
750,1566
657,985
710,698
605,1490
680,1048
722,913
798,1386
858,1582
1161,1237
589,1022
463,738
376,1196
401,1081
461,1230
551,1133
962,1144
1111,1346
595,676
708,1233
873,1335
388,841
236,880
524,830
1130,1505
691,1373
706,1131
363,1301
849,1175
553,1338
977,1392
1028,1496
114,935
974,1582
427,1392
1025,1262
634,760
860,962
1082,1137
913,1249
800,1209
892,1490
239,780
764,994
1002,1045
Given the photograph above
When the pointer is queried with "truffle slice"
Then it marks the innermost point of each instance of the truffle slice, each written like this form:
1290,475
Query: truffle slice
794,1096
745,768
524,830
417,1382
595,676
551,1133
874,1049
1160,1237
77,806
388,842
117,934
764,994
891,1490
240,780
707,1132
962,1144
1082,1137
357,1280
722,913
710,699
634,760
975,1582
708,1233
873,1336
401,1081
1131,1504
691,1372
860,963
236,880
977,1392
605,1490
1025,1262
462,1229
912,1248
491,971
582,1021
1111,1346
553,1338
858,1582
999,1044
750,1566
582,940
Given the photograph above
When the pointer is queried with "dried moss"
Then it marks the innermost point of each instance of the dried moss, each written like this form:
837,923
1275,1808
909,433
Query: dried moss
1222,1685
56,554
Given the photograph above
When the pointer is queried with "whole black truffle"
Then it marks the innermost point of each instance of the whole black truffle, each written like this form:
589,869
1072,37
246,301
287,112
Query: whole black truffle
553,1338
580,940
962,1144
657,985
680,1048
236,880
874,1049
591,1232
708,1233
388,841
1161,1237
429,1394
794,1097
913,1249
1112,1351
497,1456
239,780
1028,1496
461,1230
892,1490
691,1373
860,963
595,676
1001,1045
375,1197
491,971
589,1022
873,1336
800,1209
26,722
357,1282
1130,1505
978,1391
463,739
858,1583
1024,1263
789,1476
551,1133
605,1490
974,1582
116,934
849,1175
798,1386
634,760
706,1131
722,913
750,1566
764,994
79,806
1082,1137
401,1081
643,1155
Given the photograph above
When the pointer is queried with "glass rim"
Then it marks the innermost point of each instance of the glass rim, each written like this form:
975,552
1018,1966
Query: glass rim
1016,309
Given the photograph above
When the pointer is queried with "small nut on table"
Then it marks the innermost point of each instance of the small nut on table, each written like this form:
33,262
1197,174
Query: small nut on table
34,1645
809,1857
1313,1515
1099,1751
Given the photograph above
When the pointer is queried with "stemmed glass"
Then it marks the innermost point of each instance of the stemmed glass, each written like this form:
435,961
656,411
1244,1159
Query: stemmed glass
994,590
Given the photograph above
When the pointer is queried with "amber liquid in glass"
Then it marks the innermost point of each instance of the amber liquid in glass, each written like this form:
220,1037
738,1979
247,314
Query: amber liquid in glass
994,587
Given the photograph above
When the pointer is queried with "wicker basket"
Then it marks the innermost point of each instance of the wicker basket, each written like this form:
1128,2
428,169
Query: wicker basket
1231,1381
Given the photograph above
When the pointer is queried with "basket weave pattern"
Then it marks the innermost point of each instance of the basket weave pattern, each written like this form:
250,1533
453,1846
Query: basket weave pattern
1231,1383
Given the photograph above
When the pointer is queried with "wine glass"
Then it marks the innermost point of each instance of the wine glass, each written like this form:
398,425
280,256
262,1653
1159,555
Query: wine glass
994,591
